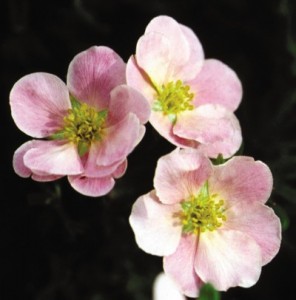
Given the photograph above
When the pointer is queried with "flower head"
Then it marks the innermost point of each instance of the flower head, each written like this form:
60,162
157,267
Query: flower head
85,129
193,99
209,222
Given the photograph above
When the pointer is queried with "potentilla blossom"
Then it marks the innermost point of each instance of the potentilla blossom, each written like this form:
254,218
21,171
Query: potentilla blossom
210,222
193,99
84,129
164,288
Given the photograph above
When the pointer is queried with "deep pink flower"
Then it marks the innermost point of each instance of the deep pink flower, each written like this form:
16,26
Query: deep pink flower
83,130
209,222
192,99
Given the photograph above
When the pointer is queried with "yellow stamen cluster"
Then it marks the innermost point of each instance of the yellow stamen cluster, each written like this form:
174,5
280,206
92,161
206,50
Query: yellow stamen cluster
82,126
173,98
202,212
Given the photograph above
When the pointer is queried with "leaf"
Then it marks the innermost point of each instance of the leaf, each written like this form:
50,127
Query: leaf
208,292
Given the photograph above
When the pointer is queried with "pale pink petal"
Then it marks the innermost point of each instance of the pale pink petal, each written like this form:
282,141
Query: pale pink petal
242,179
260,222
157,230
214,127
93,73
124,100
92,187
153,55
180,174
38,103
53,158
216,83
119,140
139,80
165,288
186,50
228,259
180,266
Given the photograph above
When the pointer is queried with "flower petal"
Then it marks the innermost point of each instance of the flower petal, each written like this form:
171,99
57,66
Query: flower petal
180,174
120,169
92,187
214,127
124,100
180,266
154,225
216,83
260,222
242,179
138,79
38,103
93,73
153,55
119,141
53,158
228,259
165,288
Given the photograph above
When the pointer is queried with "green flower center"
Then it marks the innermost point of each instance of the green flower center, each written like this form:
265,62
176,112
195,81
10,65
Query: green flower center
82,125
202,212
173,98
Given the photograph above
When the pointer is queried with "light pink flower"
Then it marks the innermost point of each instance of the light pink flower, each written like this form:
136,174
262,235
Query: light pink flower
210,223
164,288
193,99
85,129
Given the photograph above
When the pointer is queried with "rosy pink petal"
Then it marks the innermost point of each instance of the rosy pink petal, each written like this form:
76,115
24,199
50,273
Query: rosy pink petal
180,266
139,80
119,140
214,127
53,158
38,103
45,178
92,187
260,222
180,174
93,73
165,288
156,229
153,55
241,179
125,100
228,258
216,83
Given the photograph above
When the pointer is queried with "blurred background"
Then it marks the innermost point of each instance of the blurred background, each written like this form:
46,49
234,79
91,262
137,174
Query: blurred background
59,245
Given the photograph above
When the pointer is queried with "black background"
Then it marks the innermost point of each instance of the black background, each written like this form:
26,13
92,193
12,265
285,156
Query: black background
59,245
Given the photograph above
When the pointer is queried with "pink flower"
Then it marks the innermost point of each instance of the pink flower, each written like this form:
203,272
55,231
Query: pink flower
164,288
192,99
83,130
210,223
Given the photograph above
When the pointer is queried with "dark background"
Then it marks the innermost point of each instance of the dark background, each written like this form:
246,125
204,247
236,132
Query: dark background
59,245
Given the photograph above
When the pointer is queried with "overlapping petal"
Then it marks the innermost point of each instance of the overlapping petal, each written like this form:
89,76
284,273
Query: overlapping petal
242,179
180,174
216,83
155,227
93,74
180,266
216,129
